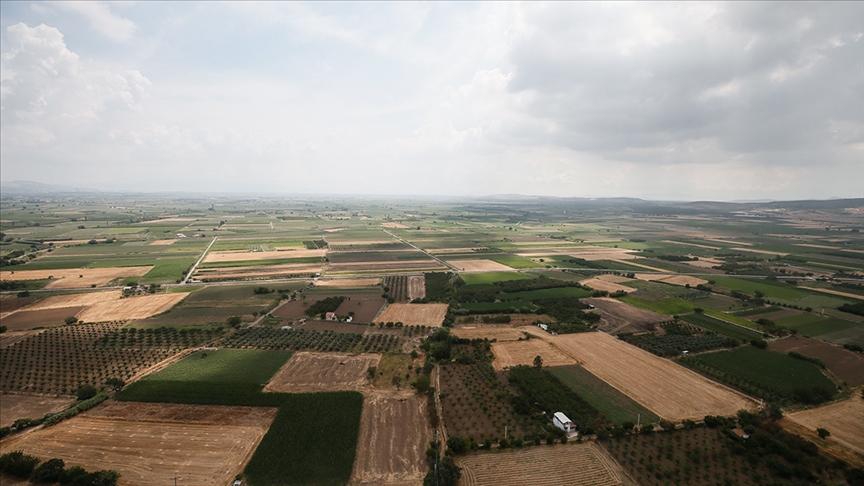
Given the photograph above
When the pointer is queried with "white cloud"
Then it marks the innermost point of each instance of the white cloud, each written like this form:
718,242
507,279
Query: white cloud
102,19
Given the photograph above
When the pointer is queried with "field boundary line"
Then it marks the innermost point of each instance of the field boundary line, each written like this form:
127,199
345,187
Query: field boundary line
195,267
423,251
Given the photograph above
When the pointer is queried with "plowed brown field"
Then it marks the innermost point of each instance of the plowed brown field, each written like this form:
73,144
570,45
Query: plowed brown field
313,372
669,390
845,421
619,317
140,307
514,353
431,315
25,319
151,451
15,406
569,464
69,278
394,435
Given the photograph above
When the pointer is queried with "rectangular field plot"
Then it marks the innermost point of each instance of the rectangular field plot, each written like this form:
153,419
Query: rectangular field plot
225,366
612,404
69,278
27,319
571,464
394,433
152,451
720,327
430,315
845,421
669,390
307,372
14,407
140,307
76,300
479,265
500,333
512,353
491,277
365,310
618,317
848,366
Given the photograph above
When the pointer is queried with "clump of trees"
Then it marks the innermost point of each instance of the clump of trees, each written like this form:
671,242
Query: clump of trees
25,466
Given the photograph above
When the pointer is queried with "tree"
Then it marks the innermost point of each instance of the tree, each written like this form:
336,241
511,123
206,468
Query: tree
823,433
538,361
48,472
86,392
18,464
115,383
70,320
234,321
421,384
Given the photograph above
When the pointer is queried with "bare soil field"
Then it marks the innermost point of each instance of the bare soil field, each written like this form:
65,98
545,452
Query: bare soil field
140,307
641,265
183,414
845,421
502,334
669,390
163,242
11,303
365,310
242,256
313,372
9,338
150,452
76,300
394,433
618,317
586,253
260,271
69,278
38,318
598,284
430,315
479,265
512,353
293,309
393,225
15,406
348,283
848,366
416,287
570,464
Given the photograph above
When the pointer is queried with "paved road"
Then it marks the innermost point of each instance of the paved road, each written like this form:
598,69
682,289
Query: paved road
195,267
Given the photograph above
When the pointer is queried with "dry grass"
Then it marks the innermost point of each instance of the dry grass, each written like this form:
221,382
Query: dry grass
140,307
393,225
348,283
837,292
479,265
683,280
163,242
69,278
314,372
512,353
669,390
76,300
257,271
502,334
598,284
845,421
15,406
430,315
242,256
416,287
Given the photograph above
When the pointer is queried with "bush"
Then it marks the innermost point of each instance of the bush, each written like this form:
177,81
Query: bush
48,472
86,392
18,464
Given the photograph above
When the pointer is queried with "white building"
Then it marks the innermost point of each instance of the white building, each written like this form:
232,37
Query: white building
562,422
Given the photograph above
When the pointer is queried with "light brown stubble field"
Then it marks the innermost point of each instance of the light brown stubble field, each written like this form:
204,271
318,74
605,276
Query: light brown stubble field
845,421
69,278
140,307
512,353
76,300
479,266
14,406
242,256
314,372
430,315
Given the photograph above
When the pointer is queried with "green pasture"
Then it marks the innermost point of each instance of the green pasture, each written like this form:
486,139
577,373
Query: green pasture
815,325
492,277
611,403
225,366
669,306
723,316
720,327
771,289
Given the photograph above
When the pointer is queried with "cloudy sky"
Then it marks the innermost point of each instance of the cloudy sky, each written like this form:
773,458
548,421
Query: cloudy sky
680,100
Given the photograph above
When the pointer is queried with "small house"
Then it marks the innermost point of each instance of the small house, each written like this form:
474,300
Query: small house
562,422
740,433
543,326
330,316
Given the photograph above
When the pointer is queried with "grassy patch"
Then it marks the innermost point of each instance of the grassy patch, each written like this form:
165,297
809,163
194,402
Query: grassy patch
720,327
611,403
774,290
492,277
225,365
395,365
669,306
814,325
731,318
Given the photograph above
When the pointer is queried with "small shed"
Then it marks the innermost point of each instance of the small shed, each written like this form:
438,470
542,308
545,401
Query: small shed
740,433
562,422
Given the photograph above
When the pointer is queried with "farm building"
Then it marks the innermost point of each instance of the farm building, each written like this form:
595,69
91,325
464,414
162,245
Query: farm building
330,316
562,422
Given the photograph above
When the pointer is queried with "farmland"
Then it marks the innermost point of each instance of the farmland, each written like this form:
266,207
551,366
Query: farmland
574,464
611,403
306,372
429,315
844,419
225,365
846,365
17,406
512,353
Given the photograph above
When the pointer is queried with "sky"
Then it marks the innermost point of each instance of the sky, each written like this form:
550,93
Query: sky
668,101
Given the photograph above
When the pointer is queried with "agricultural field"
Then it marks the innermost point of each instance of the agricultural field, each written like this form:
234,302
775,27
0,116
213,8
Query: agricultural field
24,319
361,310
721,327
617,317
394,433
139,307
14,406
669,390
572,464
405,288
71,278
611,403
500,333
429,315
846,365
225,365
207,446
513,353
843,419
313,372
75,300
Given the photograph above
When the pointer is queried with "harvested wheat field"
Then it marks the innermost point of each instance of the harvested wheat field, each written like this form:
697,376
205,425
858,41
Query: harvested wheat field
15,406
140,307
683,280
348,283
314,372
618,317
163,242
27,319
204,450
430,315
845,421
257,271
502,334
242,256
514,353
70,278
416,287
394,433
837,292
479,265
570,464
669,390
603,284
76,300
393,225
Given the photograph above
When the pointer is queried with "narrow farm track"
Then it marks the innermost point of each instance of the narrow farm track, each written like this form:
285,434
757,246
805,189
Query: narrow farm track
195,267
442,262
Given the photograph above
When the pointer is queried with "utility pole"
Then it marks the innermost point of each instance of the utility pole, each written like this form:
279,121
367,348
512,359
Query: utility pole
175,478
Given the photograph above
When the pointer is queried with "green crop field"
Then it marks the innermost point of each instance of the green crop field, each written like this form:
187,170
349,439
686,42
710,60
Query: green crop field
225,366
611,403
723,316
720,327
669,306
772,290
815,325
492,277
757,311
778,373
513,261
262,263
